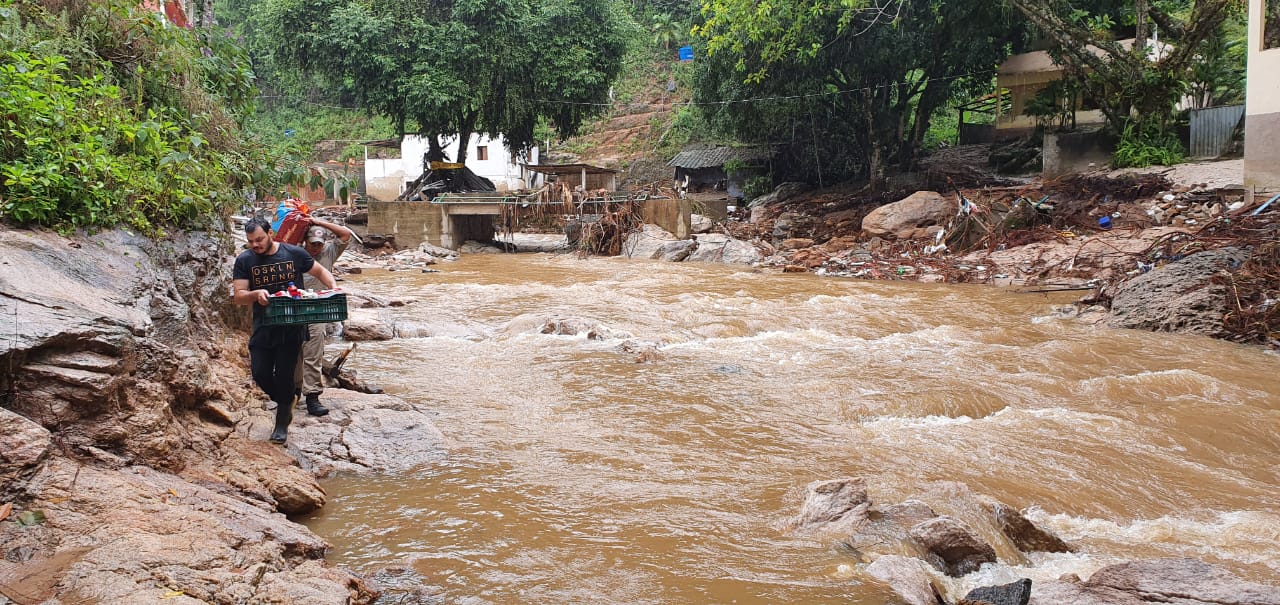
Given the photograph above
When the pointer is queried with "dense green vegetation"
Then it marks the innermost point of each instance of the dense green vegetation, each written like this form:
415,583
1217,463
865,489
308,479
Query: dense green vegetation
453,67
842,92
110,116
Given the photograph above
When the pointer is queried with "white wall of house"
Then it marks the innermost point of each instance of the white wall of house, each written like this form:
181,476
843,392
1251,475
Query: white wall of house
497,164
386,179
1262,106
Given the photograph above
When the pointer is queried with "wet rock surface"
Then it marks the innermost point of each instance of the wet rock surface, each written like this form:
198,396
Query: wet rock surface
138,535
1013,593
125,447
954,546
1179,296
362,433
1180,581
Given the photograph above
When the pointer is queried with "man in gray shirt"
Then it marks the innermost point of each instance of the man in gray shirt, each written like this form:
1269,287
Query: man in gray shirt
324,252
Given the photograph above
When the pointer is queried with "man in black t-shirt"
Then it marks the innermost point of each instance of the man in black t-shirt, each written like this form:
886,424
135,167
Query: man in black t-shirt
267,267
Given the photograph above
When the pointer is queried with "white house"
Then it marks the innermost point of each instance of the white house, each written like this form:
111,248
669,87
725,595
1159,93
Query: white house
385,178
1262,112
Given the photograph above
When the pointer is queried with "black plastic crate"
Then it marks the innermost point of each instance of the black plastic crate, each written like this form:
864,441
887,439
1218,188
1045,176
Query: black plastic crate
283,311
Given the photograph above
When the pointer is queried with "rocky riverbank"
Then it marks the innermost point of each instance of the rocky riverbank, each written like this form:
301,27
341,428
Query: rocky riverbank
1126,238
134,467
133,461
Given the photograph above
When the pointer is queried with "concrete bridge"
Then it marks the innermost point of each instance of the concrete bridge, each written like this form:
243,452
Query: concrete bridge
451,219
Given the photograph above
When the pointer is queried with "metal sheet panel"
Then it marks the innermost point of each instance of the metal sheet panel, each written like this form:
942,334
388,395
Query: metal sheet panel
1211,129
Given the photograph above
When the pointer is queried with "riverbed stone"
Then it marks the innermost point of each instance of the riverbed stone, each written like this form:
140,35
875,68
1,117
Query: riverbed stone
364,433
1179,296
647,243
828,501
1013,593
367,324
907,576
953,546
762,206
718,247
1183,581
139,535
1025,535
910,217
700,224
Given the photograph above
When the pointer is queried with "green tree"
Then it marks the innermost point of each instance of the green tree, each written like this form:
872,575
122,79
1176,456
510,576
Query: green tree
666,29
455,67
850,91
1143,80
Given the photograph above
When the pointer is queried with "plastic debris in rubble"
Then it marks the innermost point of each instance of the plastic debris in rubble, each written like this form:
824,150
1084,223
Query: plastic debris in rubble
939,243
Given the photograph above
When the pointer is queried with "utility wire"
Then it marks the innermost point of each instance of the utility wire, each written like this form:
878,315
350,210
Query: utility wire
726,102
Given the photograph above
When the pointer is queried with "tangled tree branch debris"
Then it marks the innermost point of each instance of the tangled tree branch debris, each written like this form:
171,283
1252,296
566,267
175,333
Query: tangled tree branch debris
1081,232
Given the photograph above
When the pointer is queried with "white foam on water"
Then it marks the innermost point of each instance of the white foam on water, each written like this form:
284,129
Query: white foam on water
1245,536
894,423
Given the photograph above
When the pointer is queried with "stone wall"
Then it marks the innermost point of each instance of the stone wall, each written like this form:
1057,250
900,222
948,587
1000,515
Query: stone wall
1073,152
411,222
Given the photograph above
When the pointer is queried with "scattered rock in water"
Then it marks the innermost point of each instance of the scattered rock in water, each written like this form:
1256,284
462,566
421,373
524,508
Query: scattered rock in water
834,500
1182,581
728,369
573,326
907,576
1025,535
362,325
645,352
1013,593
954,548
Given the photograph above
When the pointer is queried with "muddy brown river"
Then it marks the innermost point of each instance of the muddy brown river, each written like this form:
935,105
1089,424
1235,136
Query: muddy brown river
573,474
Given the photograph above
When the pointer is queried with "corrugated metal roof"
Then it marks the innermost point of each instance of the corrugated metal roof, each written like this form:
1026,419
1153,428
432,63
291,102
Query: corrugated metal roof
717,156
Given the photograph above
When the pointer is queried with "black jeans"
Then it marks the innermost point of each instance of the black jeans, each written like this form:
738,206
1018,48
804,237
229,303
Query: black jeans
273,368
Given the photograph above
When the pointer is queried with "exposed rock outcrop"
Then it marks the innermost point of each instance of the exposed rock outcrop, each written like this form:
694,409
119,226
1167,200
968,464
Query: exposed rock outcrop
911,217
1181,581
120,440
844,500
1178,297
955,548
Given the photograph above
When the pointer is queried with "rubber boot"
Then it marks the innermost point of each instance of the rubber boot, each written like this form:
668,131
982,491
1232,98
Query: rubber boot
314,407
284,416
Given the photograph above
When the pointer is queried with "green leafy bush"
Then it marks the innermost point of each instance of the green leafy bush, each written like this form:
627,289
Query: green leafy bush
121,119
1148,145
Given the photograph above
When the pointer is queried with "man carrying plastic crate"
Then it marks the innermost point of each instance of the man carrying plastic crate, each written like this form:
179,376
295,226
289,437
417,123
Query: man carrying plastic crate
325,253
265,268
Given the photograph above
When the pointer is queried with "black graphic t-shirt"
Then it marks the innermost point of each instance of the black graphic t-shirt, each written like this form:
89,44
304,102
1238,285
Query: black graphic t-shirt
272,272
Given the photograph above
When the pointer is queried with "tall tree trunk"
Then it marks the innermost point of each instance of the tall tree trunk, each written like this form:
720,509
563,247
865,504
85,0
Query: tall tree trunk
465,129
435,151
1142,30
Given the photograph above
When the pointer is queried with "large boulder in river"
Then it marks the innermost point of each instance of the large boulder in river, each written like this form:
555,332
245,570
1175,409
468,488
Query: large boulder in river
1025,535
367,324
953,546
833,500
655,243
1179,296
1182,581
910,217
907,576
718,247
1013,593
365,433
